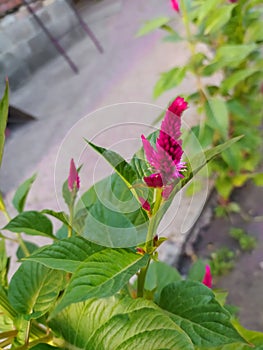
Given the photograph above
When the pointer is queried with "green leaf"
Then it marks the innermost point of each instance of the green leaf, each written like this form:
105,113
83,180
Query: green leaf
254,32
236,78
224,186
218,18
193,307
230,56
160,275
3,120
42,346
150,26
217,116
119,324
61,215
20,196
169,80
4,264
235,107
258,179
32,223
34,288
98,276
206,9
115,218
197,271
66,254
122,168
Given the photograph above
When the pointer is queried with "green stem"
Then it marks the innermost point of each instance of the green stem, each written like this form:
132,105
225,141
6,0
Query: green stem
152,222
71,216
141,280
22,244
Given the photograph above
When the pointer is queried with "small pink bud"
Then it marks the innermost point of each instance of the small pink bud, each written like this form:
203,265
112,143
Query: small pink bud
175,5
207,281
73,178
145,204
154,180
178,106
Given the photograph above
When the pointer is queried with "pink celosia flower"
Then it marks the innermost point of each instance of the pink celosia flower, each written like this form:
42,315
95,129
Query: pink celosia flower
166,158
154,180
145,204
73,178
207,281
175,5
232,1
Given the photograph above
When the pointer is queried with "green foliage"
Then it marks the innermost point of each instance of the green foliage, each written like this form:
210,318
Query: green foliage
34,288
192,317
246,242
76,292
21,194
150,26
231,106
32,223
98,277
222,261
118,324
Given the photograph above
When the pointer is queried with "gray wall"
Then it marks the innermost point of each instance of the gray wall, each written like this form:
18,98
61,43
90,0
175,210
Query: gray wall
24,47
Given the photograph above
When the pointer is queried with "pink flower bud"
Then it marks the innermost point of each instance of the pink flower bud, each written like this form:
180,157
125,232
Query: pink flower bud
207,281
145,204
73,178
175,5
178,106
154,180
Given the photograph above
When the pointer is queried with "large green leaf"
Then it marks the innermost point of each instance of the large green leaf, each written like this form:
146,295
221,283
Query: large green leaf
150,26
193,307
255,340
119,324
114,216
21,193
66,254
3,120
217,116
32,223
101,275
34,288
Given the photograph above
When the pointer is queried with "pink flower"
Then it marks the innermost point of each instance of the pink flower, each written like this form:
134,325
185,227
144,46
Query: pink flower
154,180
165,160
73,178
207,281
145,204
175,5
232,1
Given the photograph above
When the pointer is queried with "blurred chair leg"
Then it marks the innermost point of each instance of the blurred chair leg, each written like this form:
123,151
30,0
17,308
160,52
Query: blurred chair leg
54,41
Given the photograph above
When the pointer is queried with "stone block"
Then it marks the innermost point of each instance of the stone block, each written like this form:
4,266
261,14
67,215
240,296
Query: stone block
5,42
19,31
